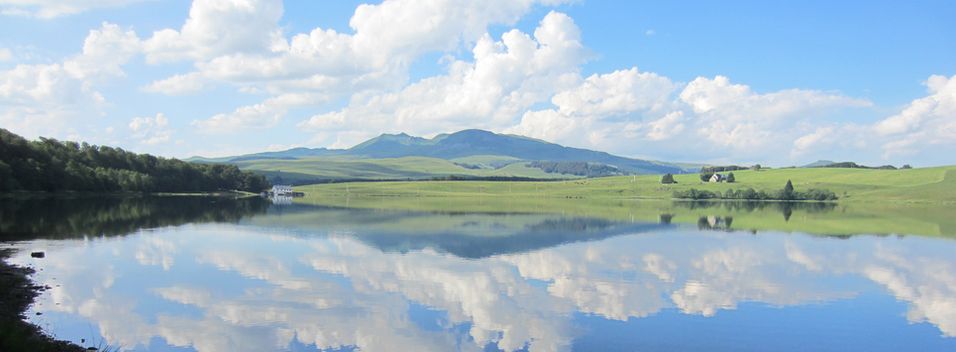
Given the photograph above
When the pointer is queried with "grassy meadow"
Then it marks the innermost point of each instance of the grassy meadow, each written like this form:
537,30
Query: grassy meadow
927,185
916,201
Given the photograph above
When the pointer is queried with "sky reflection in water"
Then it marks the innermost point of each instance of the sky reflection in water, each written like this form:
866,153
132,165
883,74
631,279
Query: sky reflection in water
307,278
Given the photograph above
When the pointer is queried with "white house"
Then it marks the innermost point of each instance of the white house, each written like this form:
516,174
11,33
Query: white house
281,190
718,178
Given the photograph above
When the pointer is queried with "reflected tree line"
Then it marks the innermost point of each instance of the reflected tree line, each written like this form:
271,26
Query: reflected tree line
784,208
73,217
714,222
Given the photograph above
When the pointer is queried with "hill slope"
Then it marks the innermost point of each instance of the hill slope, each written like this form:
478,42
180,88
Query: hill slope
468,153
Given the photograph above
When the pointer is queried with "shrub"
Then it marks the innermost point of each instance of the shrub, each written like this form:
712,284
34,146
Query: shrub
750,194
667,179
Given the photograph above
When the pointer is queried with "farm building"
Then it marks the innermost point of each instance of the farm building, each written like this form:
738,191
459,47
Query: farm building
718,178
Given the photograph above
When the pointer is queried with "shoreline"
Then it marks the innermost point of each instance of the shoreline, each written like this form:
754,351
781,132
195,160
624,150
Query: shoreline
17,293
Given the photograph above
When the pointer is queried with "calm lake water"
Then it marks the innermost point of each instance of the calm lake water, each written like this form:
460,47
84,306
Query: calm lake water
213,274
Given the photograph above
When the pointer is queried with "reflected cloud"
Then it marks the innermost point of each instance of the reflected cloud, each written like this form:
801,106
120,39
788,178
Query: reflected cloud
239,287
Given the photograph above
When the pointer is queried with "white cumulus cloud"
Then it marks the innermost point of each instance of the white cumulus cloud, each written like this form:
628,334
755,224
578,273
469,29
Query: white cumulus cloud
151,129
505,79
926,122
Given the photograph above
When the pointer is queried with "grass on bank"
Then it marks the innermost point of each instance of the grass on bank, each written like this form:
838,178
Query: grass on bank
918,201
927,185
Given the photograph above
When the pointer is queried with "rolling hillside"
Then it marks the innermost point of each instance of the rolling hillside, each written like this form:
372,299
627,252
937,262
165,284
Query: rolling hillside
468,154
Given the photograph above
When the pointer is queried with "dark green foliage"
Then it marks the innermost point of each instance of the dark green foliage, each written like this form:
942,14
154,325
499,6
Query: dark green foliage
667,179
51,165
579,168
852,165
756,167
906,167
696,194
58,217
714,169
750,194
730,178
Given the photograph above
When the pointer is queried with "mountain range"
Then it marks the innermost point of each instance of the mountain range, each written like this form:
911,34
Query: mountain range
466,154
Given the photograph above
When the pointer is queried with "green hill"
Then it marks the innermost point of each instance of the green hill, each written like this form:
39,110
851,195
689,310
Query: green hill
468,153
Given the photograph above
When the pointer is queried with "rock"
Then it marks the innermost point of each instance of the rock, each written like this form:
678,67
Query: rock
38,254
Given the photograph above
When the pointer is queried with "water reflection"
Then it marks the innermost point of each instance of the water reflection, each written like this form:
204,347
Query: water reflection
70,217
716,222
299,277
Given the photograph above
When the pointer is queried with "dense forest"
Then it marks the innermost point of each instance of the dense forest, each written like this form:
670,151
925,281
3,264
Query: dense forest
51,165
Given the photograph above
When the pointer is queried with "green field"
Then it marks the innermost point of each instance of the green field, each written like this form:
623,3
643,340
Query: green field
917,201
927,185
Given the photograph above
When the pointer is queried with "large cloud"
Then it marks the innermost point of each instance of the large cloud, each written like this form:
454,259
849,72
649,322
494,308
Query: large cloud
252,52
928,122
42,98
505,78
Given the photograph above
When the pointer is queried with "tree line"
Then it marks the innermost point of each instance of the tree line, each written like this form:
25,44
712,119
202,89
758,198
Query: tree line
715,169
852,165
579,168
51,165
786,194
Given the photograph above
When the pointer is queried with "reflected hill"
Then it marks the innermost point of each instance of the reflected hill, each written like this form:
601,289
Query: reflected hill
463,234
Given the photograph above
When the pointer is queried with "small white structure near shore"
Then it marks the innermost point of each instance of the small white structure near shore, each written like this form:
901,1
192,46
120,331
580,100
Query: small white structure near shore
281,190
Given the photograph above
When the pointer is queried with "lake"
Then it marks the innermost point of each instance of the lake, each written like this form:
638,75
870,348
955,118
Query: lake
220,274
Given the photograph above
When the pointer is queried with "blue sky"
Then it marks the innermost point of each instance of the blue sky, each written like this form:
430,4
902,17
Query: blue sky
743,81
